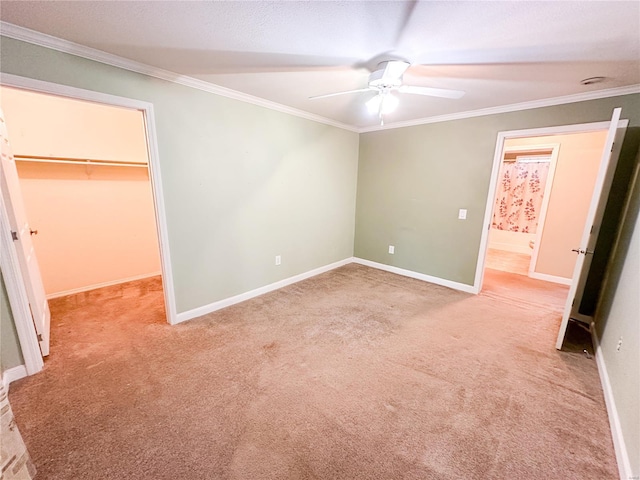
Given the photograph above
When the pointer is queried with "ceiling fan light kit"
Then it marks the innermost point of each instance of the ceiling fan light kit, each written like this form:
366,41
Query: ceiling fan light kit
383,103
387,78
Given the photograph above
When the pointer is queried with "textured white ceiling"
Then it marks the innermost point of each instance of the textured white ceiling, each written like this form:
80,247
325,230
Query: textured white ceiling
500,53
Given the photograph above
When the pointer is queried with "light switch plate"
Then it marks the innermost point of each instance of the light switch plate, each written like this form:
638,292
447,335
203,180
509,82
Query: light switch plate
392,249
462,214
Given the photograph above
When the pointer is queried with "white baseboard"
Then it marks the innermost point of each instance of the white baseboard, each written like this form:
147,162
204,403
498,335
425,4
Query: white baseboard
550,278
103,284
13,374
622,456
419,276
227,302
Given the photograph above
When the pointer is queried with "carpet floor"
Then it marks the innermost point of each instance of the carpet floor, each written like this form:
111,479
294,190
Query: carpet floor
354,374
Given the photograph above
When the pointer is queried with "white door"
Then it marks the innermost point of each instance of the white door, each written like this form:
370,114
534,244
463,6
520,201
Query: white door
584,251
21,232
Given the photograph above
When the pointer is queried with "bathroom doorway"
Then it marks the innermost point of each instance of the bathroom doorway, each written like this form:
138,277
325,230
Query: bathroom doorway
522,198
542,197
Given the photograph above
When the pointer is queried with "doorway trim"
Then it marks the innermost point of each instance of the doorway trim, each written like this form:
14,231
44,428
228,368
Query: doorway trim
497,160
147,110
17,295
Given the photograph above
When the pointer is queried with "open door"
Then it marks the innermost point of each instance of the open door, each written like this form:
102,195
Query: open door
592,225
21,234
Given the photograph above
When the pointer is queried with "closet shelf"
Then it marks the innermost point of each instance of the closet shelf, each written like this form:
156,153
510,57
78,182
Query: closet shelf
78,161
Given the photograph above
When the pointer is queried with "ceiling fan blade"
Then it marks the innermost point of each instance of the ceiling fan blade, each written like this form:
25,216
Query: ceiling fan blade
394,69
432,92
341,93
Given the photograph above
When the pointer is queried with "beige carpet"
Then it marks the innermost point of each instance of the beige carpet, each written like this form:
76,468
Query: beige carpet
354,374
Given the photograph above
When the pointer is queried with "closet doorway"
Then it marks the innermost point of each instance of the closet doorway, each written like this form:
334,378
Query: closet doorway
85,182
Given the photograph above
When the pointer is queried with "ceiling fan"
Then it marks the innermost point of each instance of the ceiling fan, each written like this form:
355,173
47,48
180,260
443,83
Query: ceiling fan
387,78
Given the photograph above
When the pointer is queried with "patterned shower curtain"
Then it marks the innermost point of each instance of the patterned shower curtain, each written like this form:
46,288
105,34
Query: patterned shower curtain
519,198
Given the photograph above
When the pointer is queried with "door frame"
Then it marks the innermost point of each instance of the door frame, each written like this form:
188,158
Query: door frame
17,295
21,320
497,160
555,151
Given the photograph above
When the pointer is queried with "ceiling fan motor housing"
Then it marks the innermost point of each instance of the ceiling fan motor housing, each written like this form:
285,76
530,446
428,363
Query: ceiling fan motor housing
388,75
378,80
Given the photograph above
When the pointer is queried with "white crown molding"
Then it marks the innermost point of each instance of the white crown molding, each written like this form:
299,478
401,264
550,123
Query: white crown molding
514,107
36,38
31,36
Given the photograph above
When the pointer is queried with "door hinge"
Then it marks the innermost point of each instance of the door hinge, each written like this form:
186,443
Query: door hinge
39,337
591,231
574,302
612,146
14,236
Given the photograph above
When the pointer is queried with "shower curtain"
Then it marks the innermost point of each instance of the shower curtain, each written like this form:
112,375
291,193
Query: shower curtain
519,197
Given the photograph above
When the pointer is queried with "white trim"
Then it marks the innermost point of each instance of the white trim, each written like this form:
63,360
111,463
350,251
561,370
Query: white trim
514,107
563,129
488,210
65,46
550,278
622,455
13,374
529,148
227,302
37,38
161,214
101,285
546,195
419,276
59,90
497,160
18,300
154,163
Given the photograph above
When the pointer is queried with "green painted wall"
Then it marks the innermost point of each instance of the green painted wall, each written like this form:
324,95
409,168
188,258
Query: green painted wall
10,352
413,180
618,317
241,183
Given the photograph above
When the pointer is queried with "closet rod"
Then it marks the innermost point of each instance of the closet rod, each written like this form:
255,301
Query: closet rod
78,161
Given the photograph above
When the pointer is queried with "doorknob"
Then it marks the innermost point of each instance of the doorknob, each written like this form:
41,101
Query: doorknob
585,252
33,232
577,250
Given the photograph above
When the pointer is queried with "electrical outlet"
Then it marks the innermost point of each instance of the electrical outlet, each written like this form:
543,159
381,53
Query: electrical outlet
462,214
619,344
392,249
278,259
